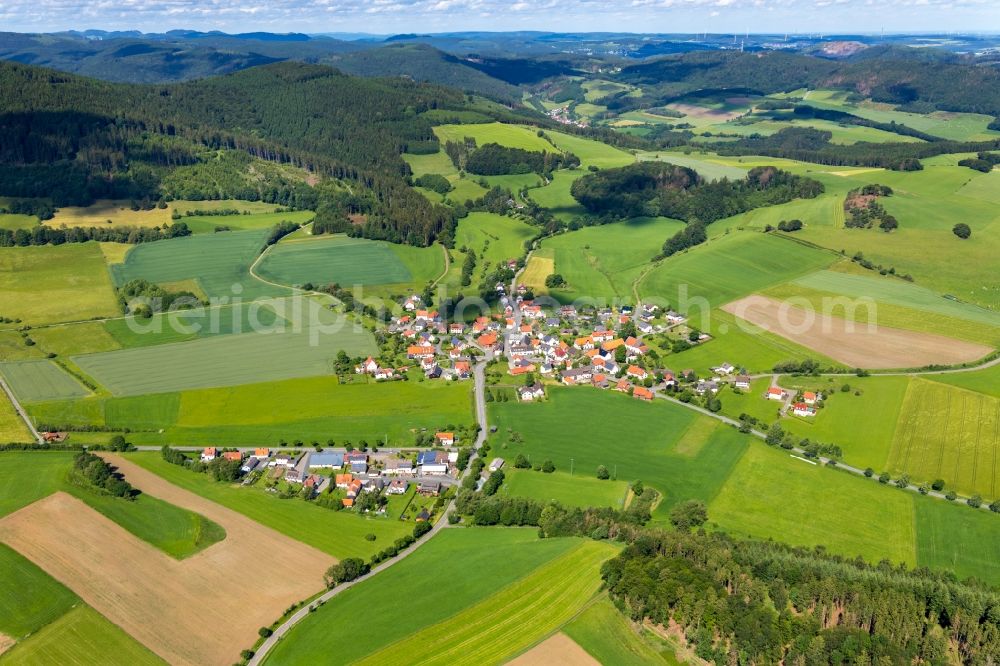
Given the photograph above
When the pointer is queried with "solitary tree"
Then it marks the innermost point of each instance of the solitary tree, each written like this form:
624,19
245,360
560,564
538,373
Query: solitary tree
961,230
548,467
603,473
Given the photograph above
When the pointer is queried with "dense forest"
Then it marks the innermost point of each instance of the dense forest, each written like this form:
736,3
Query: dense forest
659,188
74,140
752,602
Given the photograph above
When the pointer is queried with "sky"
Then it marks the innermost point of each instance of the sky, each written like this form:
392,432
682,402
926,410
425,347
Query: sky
396,16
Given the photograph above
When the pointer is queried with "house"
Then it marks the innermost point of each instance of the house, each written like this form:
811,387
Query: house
373,485
705,386
326,460
809,397
383,373
420,351
456,328
622,386
519,369
354,488
367,367
644,327
584,343
612,345
412,303
635,346
354,456
209,454
423,516
283,460
294,475
533,392
433,462
742,382
394,466
463,369
343,480
495,464
641,393
636,372
359,467
397,487
348,502
724,369
445,438
521,351
775,393
250,465
487,341
429,487
261,453
233,456
602,336
802,409
575,376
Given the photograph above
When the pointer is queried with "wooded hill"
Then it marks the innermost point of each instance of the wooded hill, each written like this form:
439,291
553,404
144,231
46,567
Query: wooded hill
74,139
919,82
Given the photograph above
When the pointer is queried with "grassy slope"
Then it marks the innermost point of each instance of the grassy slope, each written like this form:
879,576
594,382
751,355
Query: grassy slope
335,259
582,489
178,532
337,533
73,278
984,381
477,561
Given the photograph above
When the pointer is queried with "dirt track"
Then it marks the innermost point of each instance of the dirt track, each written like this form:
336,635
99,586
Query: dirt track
202,610
558,650
853,343
6,643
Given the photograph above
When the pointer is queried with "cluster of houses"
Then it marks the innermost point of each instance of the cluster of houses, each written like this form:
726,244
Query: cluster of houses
804,406
353,472
562,115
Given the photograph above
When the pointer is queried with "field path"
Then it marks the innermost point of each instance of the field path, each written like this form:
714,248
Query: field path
447,267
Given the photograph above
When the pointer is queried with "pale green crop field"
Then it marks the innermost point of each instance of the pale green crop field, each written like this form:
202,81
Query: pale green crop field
335,259
512,136
226,360
33,381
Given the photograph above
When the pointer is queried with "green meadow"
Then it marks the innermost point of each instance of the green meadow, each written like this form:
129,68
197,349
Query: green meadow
604,261
177,532
73,278
339,533
12,428
181,325
984,381
479,563
309,408
729,267
573,429
207,224
708,166
220,263
512,136
338,259
582,488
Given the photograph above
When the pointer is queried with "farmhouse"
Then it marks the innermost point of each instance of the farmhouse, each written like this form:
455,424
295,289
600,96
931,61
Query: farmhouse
642,393
445,438
429,487
343,480
636,372
394,466
775,393
802,409
533,392
209,454
232,456
724,369
433,462
368,366
742,382
809,397
419,351
261,453
397,487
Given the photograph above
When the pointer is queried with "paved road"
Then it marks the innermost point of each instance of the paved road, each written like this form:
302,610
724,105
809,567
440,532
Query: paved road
479,375
20,411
